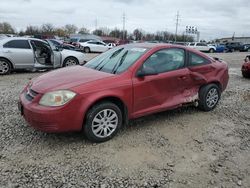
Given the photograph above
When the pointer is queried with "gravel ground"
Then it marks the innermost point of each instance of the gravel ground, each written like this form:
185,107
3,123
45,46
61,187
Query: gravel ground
180,148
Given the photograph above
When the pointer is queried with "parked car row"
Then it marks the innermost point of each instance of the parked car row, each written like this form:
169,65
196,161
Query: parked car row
202,47
218,48
91,45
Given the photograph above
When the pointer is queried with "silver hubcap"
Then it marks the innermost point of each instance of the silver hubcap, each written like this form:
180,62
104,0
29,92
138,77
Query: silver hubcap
70,62
4,67
212,98
105,123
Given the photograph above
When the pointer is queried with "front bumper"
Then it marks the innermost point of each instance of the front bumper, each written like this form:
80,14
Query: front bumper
50,119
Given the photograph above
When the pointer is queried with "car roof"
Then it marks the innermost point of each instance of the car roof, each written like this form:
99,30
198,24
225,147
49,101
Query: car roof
154,45
4,40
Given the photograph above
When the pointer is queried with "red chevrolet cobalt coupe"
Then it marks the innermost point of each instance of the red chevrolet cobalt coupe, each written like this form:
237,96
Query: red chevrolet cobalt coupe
246,67
124,83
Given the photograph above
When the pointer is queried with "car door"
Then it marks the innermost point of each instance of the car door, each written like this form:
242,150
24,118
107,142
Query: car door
200,47
166,89
102,47
200,68
19,52
93,46
56,58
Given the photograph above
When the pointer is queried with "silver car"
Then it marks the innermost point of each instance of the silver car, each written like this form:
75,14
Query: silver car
30,53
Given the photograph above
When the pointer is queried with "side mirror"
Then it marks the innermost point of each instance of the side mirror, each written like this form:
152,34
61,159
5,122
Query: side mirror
59,48
146,71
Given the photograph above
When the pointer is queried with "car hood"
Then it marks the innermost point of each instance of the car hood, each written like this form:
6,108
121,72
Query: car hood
66,52
66,78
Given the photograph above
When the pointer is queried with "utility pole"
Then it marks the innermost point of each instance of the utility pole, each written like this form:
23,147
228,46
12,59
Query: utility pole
177,24
123,23
96,24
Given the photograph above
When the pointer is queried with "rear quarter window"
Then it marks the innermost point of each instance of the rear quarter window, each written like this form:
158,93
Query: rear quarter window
21,44
196,60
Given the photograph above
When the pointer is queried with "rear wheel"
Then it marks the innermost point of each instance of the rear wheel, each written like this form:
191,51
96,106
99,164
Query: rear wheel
103,122
86,49
209,97
70,61
5,67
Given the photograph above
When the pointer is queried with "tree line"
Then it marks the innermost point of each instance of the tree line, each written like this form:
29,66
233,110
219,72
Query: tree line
65,31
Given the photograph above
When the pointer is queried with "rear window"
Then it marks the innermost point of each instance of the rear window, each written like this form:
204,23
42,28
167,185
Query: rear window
21,44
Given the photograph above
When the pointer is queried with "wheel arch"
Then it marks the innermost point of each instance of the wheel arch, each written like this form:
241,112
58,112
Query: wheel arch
212,82
114,99
66,58
11,64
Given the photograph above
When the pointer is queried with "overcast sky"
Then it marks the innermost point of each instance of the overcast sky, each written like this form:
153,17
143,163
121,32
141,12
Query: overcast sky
214,18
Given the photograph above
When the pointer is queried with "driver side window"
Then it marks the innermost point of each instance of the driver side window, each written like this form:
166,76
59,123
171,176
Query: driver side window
166,60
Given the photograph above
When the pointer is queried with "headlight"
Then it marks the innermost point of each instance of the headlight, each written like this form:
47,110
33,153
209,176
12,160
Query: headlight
57,98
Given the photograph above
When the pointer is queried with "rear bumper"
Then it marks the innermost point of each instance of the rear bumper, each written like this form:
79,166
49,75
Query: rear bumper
246,68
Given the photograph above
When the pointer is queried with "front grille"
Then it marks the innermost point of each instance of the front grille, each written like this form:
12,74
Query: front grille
30,94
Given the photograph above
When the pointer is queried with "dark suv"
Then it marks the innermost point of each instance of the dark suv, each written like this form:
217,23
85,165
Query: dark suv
234,46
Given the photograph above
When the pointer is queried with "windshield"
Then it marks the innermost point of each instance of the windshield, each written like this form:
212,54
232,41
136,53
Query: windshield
49,43
73,39
117,60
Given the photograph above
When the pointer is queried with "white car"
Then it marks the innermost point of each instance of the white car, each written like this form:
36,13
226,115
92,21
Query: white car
94,46
202,47
30,53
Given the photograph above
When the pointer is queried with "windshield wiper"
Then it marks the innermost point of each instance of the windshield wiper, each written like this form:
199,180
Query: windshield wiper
112,56
119,63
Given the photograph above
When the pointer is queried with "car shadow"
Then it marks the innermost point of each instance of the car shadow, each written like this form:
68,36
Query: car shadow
21,71
60,139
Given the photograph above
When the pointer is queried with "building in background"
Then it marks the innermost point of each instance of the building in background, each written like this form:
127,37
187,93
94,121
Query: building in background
245,40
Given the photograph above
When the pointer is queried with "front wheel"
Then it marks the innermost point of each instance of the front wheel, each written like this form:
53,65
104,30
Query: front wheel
70,61
245,75
5,67
103,122
211,50
86,49
209,97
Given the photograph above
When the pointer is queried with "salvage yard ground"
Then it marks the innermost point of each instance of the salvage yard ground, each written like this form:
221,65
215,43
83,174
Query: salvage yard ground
180,148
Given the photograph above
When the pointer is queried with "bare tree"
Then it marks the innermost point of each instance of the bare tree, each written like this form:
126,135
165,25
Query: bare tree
83,30
47,29
6,28
32,30
70,29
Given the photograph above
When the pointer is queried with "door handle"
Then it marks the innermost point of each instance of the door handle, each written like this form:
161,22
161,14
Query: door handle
7,51
183,78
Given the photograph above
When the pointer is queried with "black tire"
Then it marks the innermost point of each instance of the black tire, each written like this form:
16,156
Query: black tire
86,49
205,103
211,50
73,60
93,113
245,75
5,67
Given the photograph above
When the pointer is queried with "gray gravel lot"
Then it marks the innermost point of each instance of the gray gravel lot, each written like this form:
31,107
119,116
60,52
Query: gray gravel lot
180,148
